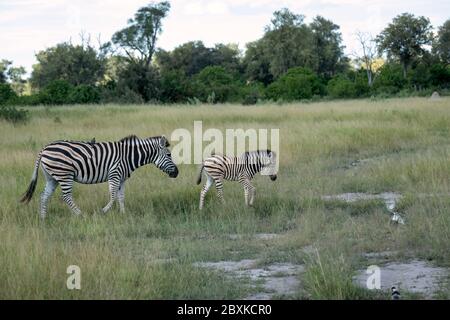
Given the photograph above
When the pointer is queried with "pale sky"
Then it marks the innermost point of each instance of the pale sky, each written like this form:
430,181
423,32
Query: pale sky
28,26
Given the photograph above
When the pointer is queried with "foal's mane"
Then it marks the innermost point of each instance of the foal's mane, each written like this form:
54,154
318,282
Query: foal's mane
130,137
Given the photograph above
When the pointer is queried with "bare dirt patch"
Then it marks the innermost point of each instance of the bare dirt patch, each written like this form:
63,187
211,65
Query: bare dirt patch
257,236
277,279
390,199
415,276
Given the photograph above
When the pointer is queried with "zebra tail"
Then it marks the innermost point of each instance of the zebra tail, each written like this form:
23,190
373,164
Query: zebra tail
199,178
29,193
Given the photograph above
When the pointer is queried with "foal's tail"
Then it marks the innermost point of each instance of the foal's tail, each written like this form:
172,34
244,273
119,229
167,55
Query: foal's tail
199,178
29,193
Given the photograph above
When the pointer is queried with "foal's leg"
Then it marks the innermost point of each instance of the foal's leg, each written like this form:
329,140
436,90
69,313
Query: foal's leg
219,188
121,197
208,184
252,191
248,190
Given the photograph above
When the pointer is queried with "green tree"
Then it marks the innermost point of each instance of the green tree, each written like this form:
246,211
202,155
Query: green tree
405,38
288,43
256,63
15,74
138,39
12,75
328,49
441,47
192,57
138,42
76,64
4,65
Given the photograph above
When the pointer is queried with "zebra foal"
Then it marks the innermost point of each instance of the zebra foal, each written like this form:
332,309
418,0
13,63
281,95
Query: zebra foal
64,162
242,169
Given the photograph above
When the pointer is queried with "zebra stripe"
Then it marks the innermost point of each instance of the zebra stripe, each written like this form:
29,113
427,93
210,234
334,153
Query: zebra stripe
242,169
64,162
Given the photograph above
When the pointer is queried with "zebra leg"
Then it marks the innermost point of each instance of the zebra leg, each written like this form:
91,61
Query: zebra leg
248,190
66,188
113,191
208,184
252,191
121,197
219,188
50,187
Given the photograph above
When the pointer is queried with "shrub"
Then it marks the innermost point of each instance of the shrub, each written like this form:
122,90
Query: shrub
361,83
252,93
419,77
12,114
440,75
341,87
215,84
7,94
175,87
296,84
390,79
84,94
140,79
57,92
27,100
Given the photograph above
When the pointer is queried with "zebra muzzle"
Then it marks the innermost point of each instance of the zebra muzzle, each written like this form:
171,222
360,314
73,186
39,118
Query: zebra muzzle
174,173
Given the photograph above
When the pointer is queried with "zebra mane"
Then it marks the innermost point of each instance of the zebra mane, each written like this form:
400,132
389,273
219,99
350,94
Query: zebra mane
135,137
130,137
256,152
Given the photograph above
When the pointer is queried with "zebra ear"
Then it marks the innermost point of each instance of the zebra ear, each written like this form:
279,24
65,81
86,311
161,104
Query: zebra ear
164,142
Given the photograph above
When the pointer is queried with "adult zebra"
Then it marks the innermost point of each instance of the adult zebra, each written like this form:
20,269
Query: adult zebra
243,168
64,162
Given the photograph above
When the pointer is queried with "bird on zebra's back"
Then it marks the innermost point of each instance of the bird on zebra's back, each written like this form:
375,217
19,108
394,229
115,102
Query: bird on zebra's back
218,168
65,162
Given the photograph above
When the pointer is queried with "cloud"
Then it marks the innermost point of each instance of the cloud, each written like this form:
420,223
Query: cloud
28,26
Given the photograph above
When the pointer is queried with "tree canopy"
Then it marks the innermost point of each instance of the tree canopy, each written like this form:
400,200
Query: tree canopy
405,37
138,39
194,56
292,60
441,45
76,64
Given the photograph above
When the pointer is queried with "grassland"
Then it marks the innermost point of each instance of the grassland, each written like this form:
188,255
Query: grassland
149,251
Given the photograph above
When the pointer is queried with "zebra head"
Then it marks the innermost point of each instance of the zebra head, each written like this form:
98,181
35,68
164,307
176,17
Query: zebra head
163,159
268,160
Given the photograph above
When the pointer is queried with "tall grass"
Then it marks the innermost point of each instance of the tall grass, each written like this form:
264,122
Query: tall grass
149,251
